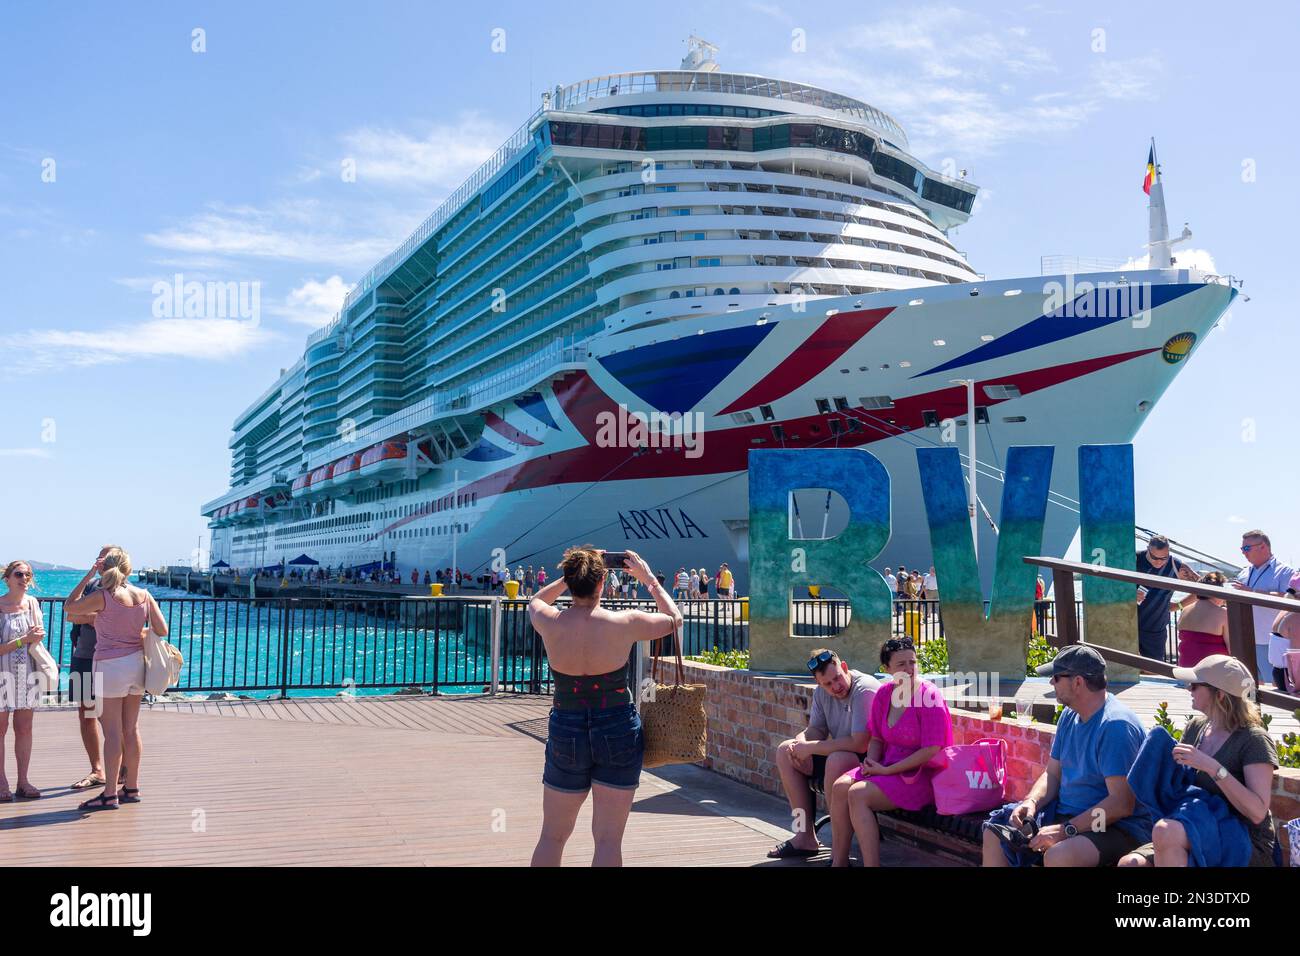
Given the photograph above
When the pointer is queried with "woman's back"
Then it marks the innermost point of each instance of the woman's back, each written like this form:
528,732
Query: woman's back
587,640
1204,616
119,626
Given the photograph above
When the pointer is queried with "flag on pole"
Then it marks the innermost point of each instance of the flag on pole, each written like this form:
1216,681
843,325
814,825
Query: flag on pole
1151,171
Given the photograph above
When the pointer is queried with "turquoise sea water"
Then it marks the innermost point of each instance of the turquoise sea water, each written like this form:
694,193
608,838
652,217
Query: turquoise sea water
256,648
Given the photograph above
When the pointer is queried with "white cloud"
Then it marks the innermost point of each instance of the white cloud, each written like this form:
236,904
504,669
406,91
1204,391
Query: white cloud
951,78
216,339
444,156
302,231
314,303
25,453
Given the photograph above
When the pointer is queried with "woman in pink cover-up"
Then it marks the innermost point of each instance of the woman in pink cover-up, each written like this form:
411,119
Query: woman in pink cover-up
910,727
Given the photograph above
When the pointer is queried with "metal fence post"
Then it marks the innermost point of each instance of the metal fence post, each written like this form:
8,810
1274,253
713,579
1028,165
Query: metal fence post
284,648
496,645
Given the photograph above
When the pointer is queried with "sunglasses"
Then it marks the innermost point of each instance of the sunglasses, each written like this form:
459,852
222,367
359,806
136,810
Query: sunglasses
1056,677
26,575
825,657
1247,548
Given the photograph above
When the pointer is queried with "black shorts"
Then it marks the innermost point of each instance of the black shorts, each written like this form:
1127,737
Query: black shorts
817,780
1112,843
81,681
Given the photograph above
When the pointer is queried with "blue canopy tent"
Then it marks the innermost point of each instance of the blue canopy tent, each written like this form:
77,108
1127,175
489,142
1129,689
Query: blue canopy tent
302,559
221,564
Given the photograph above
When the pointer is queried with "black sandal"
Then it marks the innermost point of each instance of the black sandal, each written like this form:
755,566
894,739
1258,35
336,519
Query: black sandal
100,802
788,851
130,795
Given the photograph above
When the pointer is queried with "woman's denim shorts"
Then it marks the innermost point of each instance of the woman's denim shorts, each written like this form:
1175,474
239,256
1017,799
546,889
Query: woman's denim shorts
601,746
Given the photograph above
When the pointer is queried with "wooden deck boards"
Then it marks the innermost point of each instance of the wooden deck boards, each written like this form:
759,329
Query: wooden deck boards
338,782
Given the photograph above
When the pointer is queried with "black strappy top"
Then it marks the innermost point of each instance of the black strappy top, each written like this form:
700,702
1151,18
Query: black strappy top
591,691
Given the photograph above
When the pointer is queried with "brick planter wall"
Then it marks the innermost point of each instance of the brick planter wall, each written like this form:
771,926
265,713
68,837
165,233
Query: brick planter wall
751,713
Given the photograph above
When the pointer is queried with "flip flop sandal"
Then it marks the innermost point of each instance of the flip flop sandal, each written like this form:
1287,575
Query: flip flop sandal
32,794
788,851
130,796
100,802
88,781
6,798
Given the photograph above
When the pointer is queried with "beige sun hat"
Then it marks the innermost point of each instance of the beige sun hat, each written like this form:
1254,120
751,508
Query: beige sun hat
1219,670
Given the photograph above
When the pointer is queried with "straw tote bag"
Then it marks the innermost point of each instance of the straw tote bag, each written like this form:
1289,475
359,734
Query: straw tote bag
673,721
162,664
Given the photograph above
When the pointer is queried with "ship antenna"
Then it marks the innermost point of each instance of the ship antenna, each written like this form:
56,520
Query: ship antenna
1159,245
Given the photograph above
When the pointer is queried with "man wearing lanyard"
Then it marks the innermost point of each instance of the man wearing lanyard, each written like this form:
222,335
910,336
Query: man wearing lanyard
1265,574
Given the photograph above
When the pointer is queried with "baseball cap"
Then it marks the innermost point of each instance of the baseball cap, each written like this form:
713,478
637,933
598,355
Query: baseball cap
1074,659
1219,670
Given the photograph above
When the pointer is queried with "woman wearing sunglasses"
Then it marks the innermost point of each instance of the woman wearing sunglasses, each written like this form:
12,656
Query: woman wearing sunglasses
21,627
1234,758
909,725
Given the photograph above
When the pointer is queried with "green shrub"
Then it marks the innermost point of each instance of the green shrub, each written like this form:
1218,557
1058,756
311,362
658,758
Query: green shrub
932,657
1163,720
735,659
1040,652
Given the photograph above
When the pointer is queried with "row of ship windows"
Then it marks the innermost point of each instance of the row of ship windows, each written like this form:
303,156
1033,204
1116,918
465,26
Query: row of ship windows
903,206
690,109
740,139
824,239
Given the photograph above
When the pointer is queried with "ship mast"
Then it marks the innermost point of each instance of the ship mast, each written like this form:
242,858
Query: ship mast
1159,245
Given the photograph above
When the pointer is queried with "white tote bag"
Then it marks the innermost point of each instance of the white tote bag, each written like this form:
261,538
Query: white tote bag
162,664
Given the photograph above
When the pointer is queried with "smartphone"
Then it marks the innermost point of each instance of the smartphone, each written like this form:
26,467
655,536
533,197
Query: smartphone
615,559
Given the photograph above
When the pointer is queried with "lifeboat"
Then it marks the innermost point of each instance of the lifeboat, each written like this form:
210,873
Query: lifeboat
385,460
346,470
319,481
301,485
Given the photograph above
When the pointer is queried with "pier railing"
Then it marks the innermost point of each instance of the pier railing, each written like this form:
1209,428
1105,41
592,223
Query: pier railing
278,645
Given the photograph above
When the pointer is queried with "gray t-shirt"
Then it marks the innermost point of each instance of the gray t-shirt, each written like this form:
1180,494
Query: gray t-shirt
83,635
843,718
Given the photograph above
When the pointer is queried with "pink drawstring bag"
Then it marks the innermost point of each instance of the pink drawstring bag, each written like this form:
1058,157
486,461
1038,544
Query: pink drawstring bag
974,780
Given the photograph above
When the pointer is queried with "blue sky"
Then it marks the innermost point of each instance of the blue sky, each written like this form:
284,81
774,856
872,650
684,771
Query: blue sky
227,165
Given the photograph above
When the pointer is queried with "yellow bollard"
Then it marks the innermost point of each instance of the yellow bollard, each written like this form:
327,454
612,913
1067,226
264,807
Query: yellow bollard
744,609
512,590
912,624
435,590
814,591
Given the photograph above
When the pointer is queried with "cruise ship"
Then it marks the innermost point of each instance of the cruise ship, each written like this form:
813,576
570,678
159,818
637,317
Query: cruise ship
714,262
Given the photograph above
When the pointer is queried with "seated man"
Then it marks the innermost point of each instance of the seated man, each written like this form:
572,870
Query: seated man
834,743
1082,808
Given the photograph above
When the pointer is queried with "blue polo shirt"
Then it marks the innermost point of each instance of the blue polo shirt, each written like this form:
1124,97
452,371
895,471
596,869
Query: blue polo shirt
1105,745
1273,575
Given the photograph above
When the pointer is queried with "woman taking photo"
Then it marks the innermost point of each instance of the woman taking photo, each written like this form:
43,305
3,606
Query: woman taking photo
594,740
122,613
1203,625
1234,757
909,725
21,627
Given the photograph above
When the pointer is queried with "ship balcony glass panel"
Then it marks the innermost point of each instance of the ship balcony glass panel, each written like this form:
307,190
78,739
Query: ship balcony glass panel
449,281
321,400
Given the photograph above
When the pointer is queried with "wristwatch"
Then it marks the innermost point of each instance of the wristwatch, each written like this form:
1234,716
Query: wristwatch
1071,830
1221,773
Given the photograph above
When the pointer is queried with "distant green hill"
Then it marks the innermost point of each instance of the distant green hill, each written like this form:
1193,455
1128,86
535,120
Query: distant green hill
42,566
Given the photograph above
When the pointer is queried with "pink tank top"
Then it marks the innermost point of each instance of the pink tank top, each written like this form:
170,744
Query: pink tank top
118,628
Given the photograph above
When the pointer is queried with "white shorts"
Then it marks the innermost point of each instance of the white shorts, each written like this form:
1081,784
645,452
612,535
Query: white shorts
121,676
1277,648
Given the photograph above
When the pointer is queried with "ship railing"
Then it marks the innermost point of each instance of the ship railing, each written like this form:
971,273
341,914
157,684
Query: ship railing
1070,265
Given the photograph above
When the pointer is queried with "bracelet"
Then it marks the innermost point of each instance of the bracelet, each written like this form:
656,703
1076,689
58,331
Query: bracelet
18,643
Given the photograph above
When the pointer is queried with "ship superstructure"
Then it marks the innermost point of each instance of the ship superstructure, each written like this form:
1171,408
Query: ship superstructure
758,256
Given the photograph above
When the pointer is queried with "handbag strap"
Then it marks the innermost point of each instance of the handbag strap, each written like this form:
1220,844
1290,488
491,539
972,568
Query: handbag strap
677,648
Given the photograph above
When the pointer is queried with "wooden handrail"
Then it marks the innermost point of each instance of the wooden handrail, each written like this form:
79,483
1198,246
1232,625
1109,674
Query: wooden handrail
1241,622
